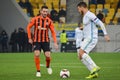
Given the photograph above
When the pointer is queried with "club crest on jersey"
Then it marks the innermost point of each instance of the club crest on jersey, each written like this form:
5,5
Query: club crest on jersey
40,28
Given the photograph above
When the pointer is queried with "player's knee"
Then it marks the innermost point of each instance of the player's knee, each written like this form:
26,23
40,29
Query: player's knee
47,54
80,56
81,52
37,53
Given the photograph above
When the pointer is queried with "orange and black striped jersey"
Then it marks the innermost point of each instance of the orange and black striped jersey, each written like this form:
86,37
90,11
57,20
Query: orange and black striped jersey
41,29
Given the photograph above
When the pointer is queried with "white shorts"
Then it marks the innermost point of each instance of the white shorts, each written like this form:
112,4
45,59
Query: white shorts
88,44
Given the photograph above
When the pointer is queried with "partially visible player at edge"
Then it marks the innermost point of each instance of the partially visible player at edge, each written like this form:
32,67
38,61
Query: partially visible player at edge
40,40
90,35
78,37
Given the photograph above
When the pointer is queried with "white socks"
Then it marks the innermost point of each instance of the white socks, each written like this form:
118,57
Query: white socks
85,63
88,62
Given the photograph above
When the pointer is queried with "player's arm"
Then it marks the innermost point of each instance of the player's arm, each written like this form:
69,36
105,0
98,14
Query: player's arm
100,23
29,26
53,34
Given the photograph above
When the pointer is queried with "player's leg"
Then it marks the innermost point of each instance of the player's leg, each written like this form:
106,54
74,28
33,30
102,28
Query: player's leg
48,60
82,60
89,63
86,47
37,62
37,58
94,67
46,49
79,52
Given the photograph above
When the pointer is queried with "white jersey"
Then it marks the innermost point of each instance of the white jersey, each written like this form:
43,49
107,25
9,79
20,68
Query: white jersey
89,26
90,31
78,37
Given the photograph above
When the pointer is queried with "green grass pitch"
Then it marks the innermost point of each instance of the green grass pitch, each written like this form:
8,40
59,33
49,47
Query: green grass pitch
20,66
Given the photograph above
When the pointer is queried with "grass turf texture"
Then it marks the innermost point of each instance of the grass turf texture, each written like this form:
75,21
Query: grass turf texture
20,66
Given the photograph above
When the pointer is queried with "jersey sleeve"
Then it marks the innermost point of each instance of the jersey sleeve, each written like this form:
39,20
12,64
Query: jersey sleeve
98,22
29,26
53,32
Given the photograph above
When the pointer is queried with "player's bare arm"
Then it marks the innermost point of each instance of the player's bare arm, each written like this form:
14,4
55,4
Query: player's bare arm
30,41
56,46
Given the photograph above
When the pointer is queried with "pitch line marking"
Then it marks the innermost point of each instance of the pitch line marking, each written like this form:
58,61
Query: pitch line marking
43,65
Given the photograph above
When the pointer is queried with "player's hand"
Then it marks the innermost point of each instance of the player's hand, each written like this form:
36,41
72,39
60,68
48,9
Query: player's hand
56,46
107,38
30,41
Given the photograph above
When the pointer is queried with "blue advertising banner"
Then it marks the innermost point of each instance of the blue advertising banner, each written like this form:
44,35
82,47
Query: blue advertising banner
70,34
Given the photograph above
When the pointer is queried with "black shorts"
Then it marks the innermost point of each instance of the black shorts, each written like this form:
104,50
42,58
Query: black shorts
45,46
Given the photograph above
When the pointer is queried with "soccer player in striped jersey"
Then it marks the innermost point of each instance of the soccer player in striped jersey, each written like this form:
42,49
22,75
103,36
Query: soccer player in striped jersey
42,24
90,35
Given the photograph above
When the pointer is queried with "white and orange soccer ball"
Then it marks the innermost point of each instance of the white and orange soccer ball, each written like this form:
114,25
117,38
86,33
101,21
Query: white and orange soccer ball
64,73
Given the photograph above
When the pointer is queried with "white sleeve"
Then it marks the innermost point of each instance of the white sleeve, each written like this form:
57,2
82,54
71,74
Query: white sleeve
98,22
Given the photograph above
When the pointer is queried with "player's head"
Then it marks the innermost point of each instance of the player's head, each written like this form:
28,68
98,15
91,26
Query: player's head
44,11
63,31
81,7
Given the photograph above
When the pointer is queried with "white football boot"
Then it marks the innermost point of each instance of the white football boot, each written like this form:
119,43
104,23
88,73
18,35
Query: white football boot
38,74
49,70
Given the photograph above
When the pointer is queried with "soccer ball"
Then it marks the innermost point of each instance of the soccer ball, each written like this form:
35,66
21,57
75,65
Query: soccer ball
64,73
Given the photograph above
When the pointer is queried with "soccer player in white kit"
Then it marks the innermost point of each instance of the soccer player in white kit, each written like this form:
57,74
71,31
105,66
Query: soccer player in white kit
90,35
78,37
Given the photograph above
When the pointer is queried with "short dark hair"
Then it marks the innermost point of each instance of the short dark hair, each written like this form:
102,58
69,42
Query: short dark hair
44,7
63,31
82,4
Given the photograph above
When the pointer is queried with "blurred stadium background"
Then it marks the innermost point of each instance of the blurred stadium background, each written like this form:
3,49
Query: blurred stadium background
13,16
21,66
